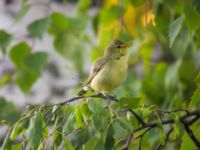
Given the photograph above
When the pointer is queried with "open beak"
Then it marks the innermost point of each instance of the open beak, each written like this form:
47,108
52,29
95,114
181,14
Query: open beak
127,45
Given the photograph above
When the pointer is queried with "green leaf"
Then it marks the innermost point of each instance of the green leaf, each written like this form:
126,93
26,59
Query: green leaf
41,146
174,29
67,145
25,79
136,2
37,131
192,18
94,144
85,111
35,62
109,14
80,137
196,5
124,122
8,112
196,60
91,143
5,39
7,142
78,23
110,141
197,34
69,125
153,82
19,128
79,118
59,23
83,5
18,53
99,122
22,12
119,131
39,27
197,78
180,47
195,99
162,133
57,139
176,126
171,77
17,146
96,106
69,46
5,79
29,65
187,143
99,145
24,2
129,102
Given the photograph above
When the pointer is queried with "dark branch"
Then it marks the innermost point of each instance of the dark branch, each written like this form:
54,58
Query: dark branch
109,98
73,99
137,117
128,142
141,137
140,120
167,137
191,134
193,120
151,125
171,111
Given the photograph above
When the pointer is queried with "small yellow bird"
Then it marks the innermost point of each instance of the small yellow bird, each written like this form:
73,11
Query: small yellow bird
109,71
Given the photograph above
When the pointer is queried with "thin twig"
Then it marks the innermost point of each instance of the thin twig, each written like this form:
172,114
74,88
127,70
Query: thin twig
141,137
193,120
137,116
128,142
171,111
89,96
167,137
73,99
182,119
191,134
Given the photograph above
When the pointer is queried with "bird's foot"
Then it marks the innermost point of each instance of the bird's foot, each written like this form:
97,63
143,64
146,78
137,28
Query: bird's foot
109,96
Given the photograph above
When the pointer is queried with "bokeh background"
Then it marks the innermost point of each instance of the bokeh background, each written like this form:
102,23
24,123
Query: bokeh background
48,46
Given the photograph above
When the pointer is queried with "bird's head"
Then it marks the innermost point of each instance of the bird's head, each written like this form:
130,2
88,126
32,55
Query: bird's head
117,49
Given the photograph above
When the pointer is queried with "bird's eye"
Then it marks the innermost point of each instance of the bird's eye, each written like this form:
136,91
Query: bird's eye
118,46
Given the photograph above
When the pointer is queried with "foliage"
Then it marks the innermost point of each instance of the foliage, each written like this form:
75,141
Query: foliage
158,106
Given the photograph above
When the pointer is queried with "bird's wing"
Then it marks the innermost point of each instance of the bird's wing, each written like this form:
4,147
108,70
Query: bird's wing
98,65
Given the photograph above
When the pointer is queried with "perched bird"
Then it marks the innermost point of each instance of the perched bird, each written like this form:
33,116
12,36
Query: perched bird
109,71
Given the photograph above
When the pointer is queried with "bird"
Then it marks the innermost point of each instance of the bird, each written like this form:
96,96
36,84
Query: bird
109,71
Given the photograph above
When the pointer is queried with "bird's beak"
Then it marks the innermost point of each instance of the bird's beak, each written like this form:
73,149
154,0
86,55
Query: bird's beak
127,45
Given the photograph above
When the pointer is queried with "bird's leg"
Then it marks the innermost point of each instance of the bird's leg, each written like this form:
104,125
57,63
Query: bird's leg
84,90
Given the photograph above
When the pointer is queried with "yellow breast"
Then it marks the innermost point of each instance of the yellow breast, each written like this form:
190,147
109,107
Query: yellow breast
113,74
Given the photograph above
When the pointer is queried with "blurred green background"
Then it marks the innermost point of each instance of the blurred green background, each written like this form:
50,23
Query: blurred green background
47,48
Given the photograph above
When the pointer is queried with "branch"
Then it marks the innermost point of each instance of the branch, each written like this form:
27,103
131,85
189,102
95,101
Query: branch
167,137
191,134
171,111
141,137
193,120
128,142
109,98
73,99
183,120
137,117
